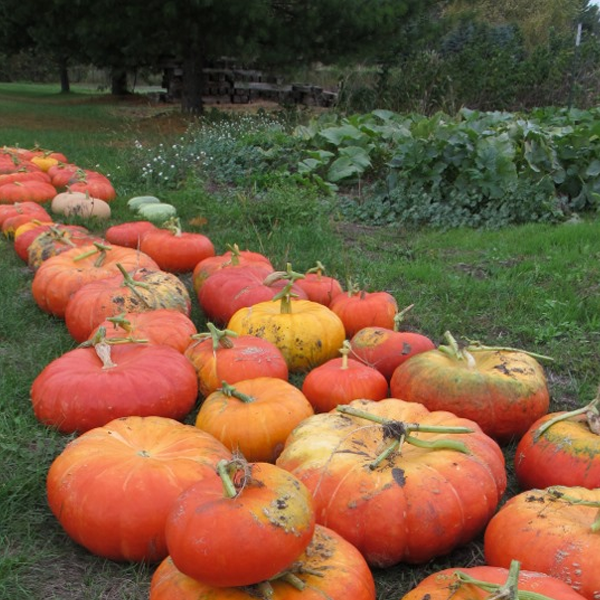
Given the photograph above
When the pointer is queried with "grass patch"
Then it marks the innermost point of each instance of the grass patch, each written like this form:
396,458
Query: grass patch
535,286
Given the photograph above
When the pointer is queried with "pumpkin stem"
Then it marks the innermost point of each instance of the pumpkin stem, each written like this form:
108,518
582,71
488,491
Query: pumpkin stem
60,236
345,351
555,492
400,431
174,226
235,255
99,248
285,295
231,392
454,351
132,284
319,269
399,317
263,590
508,590
102,347
234,474
288,274
589,410
475,345
121,321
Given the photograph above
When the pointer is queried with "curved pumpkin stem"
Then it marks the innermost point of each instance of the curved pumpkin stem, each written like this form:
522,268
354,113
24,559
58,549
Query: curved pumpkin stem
100,249
345,351
286,295
591,411
318,269
401,430
509,590
102,347
474,346
234,474
174,226
454,351
399,316
559,495
132,284
231,392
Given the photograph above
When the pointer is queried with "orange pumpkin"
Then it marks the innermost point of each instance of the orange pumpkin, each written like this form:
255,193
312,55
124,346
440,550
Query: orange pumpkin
272,406
387,477
113,487
554,531
330,567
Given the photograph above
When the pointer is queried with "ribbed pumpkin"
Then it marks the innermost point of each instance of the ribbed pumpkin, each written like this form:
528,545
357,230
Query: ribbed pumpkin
30,190
140,290
175,250
561,449
89,386
233,258
161,326
113,487
342,380
272,407
330,568
359,308
502,389
401,483
223,355
307,333
244,525
59,277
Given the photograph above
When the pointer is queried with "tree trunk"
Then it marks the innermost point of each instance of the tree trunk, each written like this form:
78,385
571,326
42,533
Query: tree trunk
65,83
192,83
118,82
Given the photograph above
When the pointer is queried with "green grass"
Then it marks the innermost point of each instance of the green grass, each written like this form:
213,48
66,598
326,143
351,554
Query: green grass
536,287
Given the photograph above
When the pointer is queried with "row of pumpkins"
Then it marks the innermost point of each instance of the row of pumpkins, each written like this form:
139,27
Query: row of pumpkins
280,491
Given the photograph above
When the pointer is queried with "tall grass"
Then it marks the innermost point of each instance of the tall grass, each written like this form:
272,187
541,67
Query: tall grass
535,287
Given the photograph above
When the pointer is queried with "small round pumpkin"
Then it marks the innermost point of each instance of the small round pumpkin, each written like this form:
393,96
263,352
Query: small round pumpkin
273,407
320,287
561,448
342,380
128,234
223,355
243,526
329,568
113,487
307,333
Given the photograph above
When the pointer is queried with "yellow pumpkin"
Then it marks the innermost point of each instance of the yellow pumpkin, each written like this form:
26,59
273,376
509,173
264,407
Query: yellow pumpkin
307,333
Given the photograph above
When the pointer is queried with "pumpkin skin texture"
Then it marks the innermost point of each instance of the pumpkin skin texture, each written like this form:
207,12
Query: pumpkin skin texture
441,585
177,252
36,211
30,190
161,326
228,290
59,277
320,288
385,349
549,531
76,392
232,358
128,234
341,380
273,407
141,290
231,259
410,507
56,240
503,391
330,568
307,333
364,309
112,488
241,540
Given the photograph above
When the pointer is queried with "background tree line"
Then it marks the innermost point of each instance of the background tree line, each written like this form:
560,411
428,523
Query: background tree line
421,55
